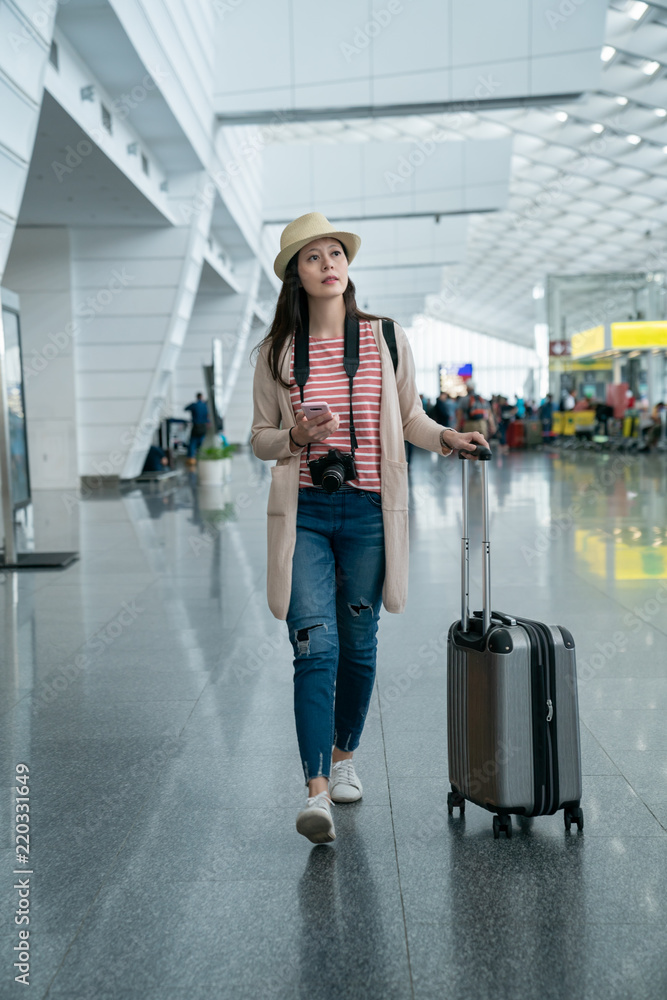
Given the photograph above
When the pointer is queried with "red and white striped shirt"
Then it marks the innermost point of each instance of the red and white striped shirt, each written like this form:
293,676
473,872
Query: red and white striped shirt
327,382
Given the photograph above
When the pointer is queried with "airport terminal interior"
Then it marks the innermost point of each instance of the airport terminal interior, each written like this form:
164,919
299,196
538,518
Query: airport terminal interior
505,168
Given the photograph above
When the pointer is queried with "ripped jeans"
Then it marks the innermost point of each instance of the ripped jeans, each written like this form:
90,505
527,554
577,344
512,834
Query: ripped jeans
337,577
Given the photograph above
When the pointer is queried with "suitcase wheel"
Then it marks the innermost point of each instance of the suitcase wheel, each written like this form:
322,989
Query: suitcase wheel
574,816
502,822
455,801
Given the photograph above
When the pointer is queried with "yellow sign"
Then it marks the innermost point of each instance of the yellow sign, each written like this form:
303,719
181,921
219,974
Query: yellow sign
568,422
588,341
567,365
652,333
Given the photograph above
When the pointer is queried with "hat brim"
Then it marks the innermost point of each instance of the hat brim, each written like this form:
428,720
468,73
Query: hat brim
351,240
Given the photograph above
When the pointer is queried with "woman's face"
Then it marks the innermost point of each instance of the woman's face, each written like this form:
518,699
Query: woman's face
322,267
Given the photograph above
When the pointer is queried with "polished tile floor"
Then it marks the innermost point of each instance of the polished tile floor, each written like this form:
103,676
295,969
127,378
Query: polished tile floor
148,688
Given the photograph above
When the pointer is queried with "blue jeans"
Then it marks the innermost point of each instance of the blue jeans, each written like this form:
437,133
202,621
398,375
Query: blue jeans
194,444
337,576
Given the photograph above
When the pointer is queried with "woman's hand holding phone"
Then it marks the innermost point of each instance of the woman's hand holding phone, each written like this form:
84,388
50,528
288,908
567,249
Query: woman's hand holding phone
312,431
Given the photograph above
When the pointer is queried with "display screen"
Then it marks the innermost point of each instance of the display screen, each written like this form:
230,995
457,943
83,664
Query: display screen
18,442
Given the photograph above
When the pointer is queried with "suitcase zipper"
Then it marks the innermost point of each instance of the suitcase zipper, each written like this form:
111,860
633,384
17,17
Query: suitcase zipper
543,721
544,655
550,715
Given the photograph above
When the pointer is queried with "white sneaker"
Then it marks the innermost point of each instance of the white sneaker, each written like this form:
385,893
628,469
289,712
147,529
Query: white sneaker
315,821
344,785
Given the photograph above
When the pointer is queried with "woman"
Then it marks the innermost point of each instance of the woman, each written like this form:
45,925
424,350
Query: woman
335,554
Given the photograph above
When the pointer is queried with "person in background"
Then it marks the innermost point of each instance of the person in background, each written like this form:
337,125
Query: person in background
443,410
653,432
199,413
156,460
546,412
507,413
582,404
495,408
476,414
568,401
603,414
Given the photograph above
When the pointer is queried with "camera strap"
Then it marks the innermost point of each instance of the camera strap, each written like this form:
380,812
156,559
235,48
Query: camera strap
350,362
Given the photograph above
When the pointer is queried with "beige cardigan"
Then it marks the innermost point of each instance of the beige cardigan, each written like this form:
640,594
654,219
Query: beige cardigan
401,417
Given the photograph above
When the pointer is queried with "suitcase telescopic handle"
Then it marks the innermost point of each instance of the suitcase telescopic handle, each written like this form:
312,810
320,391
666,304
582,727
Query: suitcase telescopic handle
480,452
484,455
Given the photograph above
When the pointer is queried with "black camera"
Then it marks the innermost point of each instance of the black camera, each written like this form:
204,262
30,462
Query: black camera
332,470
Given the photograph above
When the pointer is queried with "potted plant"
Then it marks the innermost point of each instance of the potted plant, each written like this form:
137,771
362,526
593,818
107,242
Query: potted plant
214,468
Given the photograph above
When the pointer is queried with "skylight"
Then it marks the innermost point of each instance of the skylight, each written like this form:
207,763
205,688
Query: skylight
637,10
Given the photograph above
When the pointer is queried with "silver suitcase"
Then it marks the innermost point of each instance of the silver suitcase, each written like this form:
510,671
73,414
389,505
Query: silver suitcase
512,710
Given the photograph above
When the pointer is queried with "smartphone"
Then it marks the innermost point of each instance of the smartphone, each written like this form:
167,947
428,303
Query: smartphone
314,409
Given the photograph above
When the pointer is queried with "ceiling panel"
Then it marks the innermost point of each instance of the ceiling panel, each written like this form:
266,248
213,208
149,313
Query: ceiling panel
423,53
384,179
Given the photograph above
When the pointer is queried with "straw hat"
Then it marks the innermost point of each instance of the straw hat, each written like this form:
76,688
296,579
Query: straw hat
304,230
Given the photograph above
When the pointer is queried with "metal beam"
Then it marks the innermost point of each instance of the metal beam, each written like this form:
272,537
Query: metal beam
267,117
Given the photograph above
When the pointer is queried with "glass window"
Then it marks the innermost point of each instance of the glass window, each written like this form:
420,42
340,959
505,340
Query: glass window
18,443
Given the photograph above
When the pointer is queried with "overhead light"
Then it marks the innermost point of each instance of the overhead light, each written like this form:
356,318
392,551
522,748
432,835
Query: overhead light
664,149
634,140
598,128
608,52
650,67
637,10
622,101
562,116
538,292
661,112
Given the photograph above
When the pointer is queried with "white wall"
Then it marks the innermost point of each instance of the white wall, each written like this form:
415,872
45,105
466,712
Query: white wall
38,269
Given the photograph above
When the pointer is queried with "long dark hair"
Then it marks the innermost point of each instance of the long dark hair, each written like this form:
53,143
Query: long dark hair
292,314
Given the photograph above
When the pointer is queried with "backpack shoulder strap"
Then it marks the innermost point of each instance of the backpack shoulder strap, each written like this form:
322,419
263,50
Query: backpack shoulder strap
389,333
